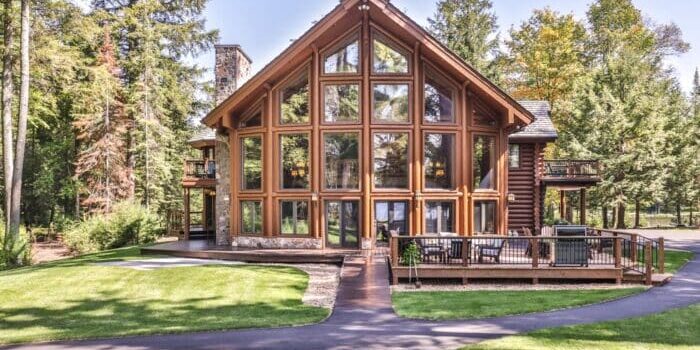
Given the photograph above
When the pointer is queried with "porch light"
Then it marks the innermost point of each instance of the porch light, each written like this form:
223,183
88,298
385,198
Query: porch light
363,6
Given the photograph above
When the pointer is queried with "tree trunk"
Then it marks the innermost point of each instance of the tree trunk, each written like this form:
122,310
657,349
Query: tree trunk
620,216
21,122
605,216
7,91
636,213
678,215
614,217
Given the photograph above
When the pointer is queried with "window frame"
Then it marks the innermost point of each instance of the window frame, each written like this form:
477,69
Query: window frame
432,73
454,218
258,106
390,41
281,215
358,132
409,157
453,161
496,217
409,84
280,154
494,161
519,157
322,114
241,160
304,70
354,34
240,216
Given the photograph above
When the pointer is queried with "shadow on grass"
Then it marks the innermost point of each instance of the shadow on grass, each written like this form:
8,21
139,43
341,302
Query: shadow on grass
111,315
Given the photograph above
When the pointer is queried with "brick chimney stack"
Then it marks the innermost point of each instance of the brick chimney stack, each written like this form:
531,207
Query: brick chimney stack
231,69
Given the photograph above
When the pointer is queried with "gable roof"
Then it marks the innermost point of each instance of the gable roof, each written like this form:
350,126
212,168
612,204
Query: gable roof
540,129
477,82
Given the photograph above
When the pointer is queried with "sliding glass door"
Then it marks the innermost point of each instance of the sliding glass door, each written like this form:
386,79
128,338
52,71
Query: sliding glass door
390,216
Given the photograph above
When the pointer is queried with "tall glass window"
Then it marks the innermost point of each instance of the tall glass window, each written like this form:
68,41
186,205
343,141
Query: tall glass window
390,160
485,217
294,156
251,156
341,103
438,154
386,59
342,169
439,217
390,103
251,217
483,162
390,216
294,217
438,103
294,106
344,60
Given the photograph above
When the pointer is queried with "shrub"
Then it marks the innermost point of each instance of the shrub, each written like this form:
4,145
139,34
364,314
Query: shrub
127,224
411,254
14,252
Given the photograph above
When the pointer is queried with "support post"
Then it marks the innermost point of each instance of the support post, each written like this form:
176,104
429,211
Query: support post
562,205
535,244
583,206
617,253
465,252
186,229
662,256
633,247
648,263
394,244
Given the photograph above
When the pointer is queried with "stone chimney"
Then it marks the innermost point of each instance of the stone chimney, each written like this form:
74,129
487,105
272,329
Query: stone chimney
231,69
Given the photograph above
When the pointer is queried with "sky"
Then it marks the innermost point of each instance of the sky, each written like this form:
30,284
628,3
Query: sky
264,28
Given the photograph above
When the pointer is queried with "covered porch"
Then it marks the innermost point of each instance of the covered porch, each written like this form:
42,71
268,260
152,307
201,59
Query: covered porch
569,177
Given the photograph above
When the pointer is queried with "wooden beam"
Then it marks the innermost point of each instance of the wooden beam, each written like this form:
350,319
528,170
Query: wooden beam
366,135
582,209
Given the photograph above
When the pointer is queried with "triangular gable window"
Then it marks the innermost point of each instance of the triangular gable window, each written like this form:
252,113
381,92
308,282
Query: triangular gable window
345,59
386,58
483,114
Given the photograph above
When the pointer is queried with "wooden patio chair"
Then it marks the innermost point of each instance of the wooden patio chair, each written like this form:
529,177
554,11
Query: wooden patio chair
491,250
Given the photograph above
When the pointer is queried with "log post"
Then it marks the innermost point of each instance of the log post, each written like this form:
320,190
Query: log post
582,209
465,251
535,244
662,256
617,253
187,214
394,244
648,263
633,247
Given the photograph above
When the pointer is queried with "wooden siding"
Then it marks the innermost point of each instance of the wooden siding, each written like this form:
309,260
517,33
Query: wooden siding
522,183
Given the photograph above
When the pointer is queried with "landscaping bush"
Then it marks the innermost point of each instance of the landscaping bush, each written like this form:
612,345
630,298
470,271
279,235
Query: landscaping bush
14,253
127,224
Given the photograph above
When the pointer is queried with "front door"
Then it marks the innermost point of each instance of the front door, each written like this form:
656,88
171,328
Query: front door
390,216
342,224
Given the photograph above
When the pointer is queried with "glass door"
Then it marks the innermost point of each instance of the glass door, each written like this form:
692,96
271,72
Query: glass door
390,216
342,224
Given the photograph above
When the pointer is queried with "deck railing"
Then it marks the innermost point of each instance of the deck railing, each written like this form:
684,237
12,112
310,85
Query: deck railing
200,169
639,253
502,250
568,168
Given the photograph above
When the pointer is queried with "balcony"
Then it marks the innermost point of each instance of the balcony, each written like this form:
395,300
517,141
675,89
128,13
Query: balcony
199,173
571,172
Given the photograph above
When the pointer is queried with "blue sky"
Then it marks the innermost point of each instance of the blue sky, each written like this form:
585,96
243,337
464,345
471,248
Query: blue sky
265,27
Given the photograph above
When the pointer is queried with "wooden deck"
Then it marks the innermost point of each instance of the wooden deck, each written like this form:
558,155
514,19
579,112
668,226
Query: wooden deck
208,250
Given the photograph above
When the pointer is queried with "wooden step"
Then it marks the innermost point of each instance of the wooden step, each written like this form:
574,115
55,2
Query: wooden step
657,279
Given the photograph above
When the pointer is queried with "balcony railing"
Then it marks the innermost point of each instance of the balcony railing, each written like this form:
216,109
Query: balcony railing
571,169
200,169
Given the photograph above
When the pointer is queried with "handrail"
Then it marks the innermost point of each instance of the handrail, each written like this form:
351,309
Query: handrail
634,249
568,168
200,168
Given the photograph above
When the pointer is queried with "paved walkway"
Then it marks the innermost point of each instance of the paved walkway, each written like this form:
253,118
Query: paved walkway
363,319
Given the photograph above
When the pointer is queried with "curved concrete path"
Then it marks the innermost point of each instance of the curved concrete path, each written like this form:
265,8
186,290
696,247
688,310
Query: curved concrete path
363,319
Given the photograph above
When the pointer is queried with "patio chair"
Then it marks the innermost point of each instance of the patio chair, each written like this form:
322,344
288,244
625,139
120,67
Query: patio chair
491,249
431,248
544,246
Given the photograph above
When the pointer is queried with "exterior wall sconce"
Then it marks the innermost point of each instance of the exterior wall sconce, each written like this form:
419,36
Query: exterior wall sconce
511,197
363,6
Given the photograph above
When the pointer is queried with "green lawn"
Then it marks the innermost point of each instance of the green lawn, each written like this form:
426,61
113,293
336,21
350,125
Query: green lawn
675,259
673,330
75,299
480,304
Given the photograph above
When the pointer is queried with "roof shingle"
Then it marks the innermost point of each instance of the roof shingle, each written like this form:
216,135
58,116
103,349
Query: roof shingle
541,128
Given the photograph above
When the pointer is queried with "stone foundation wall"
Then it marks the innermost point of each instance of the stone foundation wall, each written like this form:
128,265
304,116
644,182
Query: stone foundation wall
277,242
223,189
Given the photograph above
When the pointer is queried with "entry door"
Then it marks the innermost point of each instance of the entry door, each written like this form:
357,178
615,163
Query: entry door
390,216
342,224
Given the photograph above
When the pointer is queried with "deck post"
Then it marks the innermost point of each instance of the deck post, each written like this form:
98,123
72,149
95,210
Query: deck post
617,253
648,263
394,244
535,244
582,209
562,204
633,247
662,257
186,229
465,252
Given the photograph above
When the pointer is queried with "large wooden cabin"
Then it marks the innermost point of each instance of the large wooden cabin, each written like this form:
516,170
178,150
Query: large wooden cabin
366,125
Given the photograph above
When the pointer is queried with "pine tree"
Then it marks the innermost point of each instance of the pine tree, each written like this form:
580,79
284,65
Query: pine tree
468,27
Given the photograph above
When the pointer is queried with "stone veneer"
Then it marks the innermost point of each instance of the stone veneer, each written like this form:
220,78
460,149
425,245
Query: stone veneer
231,68
276,242
223,189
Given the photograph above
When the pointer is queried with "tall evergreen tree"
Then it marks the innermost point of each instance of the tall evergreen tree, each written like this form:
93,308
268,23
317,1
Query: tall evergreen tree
469,28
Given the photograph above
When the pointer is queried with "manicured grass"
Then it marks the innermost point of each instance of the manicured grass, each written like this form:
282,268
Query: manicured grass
673,330
76,299
675,259
480,304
